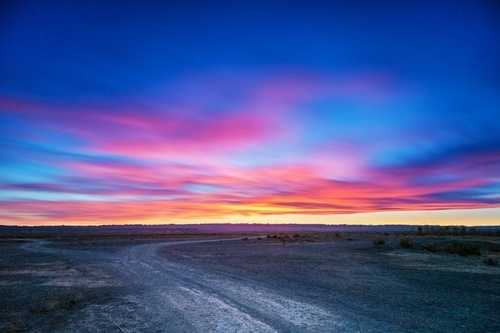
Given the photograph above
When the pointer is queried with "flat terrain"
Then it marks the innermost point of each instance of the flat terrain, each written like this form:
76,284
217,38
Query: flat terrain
321,282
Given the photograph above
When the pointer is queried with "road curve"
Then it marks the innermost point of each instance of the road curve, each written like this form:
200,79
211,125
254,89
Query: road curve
163,296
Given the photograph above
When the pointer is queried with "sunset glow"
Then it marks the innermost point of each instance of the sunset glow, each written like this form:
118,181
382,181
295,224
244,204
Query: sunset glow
158,115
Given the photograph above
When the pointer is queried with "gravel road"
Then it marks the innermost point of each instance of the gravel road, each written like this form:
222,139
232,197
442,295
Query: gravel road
163,296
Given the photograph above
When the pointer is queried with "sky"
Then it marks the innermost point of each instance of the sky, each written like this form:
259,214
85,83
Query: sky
274,112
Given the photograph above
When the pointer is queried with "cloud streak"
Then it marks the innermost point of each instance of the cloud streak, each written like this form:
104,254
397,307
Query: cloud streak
284,145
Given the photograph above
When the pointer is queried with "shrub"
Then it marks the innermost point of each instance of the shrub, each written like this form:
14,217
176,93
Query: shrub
490,261
494,248
16,326
406,243
463,249
65,303
45,306
430,247
379,242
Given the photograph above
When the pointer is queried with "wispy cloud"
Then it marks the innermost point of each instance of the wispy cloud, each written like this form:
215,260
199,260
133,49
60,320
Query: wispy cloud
174,158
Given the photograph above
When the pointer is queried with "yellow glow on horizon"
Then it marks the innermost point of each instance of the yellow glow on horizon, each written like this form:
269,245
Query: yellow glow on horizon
469,217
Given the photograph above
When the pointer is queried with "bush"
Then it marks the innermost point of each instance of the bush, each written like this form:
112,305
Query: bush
494,247
62,303
430,247
16,326
406,243
463,249
490,261
379,242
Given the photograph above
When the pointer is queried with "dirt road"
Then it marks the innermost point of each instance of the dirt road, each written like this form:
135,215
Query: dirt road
166,297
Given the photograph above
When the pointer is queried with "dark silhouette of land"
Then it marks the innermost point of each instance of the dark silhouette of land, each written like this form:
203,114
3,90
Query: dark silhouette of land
249,278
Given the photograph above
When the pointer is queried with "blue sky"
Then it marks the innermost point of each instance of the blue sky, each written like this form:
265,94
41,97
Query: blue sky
221,110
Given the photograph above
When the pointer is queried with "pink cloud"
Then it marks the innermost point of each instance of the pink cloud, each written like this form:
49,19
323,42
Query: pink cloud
148,151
